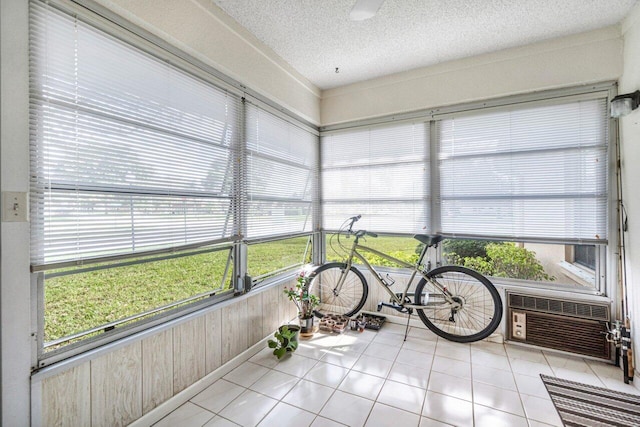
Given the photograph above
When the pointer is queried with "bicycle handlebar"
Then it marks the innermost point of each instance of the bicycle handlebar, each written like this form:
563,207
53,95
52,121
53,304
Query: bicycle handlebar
353,220
359,233
346,229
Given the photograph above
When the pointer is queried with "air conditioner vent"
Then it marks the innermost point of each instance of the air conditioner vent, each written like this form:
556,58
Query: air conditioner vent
555,306
599,312
573,326
542,304
569,307
517,300
528,302
567,334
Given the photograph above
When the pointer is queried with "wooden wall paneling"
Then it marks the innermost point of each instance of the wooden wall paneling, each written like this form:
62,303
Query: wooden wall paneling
157,369
283,305
66,398
288,310
116,387
213,340
293,310
271,310
235,338
188,353
254,319
374,293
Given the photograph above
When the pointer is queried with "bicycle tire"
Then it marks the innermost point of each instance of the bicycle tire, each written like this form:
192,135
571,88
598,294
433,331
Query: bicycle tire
352,296
481,310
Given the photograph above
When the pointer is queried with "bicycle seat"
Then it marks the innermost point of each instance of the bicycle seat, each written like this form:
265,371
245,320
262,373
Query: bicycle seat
428,239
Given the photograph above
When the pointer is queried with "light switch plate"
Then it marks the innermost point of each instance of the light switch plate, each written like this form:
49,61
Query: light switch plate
15,207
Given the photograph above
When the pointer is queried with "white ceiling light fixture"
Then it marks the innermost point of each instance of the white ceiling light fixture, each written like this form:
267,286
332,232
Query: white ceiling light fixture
365,9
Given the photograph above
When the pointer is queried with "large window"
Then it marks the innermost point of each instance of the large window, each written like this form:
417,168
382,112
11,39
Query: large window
125,159
281,193
526,173
147,183
282,173
379,172
513,187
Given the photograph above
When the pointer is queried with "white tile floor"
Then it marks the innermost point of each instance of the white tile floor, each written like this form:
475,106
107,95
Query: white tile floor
375,379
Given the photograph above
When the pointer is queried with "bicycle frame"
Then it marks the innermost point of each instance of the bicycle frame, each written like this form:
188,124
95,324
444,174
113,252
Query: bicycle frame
400,301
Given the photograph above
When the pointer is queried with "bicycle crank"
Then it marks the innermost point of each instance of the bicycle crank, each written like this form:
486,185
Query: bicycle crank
398,308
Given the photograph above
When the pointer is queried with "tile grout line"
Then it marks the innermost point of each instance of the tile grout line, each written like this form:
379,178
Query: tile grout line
426,392
385,379
526,416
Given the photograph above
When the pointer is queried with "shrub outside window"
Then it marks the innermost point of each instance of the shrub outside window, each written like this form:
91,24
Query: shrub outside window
510,262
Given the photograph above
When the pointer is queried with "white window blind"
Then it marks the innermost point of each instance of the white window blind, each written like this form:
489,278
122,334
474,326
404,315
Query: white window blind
282,162
530,173
128,153
381,173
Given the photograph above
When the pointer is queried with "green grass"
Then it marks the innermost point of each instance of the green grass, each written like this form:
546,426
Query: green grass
402,248
264,258
78,302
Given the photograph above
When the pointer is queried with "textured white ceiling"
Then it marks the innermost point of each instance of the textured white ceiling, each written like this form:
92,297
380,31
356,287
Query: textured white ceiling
316,36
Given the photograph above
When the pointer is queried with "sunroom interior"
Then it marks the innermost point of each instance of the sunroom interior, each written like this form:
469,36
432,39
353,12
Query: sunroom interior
168,172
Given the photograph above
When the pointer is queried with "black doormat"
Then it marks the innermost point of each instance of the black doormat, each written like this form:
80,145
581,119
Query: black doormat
585,405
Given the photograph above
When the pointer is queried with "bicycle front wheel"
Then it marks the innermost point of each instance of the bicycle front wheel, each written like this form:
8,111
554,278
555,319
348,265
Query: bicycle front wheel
346,299
475,313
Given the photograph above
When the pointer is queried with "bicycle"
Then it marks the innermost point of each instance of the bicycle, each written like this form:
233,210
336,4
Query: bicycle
454,302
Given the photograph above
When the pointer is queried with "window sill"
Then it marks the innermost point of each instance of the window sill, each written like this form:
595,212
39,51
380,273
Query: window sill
579,274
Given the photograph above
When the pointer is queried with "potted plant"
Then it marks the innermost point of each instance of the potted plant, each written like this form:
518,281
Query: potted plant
304,301
286,340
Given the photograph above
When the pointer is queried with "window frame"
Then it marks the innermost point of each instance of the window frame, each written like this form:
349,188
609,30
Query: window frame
587,248
598,287
105,21
424,201
526,105
265,279
121,328
606,272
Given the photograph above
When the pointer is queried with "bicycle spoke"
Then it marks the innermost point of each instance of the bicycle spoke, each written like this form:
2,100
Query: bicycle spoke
344,298
477,310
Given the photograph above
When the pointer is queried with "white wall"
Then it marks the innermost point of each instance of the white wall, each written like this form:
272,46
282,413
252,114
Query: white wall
569,61
630,154
201,29
14,245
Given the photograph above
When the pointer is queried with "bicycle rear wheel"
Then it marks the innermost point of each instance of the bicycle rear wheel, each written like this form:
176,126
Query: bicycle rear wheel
479,308
347,300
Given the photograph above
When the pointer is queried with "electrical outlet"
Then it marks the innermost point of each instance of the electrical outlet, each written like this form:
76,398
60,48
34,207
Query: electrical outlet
15,207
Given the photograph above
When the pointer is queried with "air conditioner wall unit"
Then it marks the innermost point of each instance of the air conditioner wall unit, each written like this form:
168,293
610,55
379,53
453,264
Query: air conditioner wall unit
566,325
